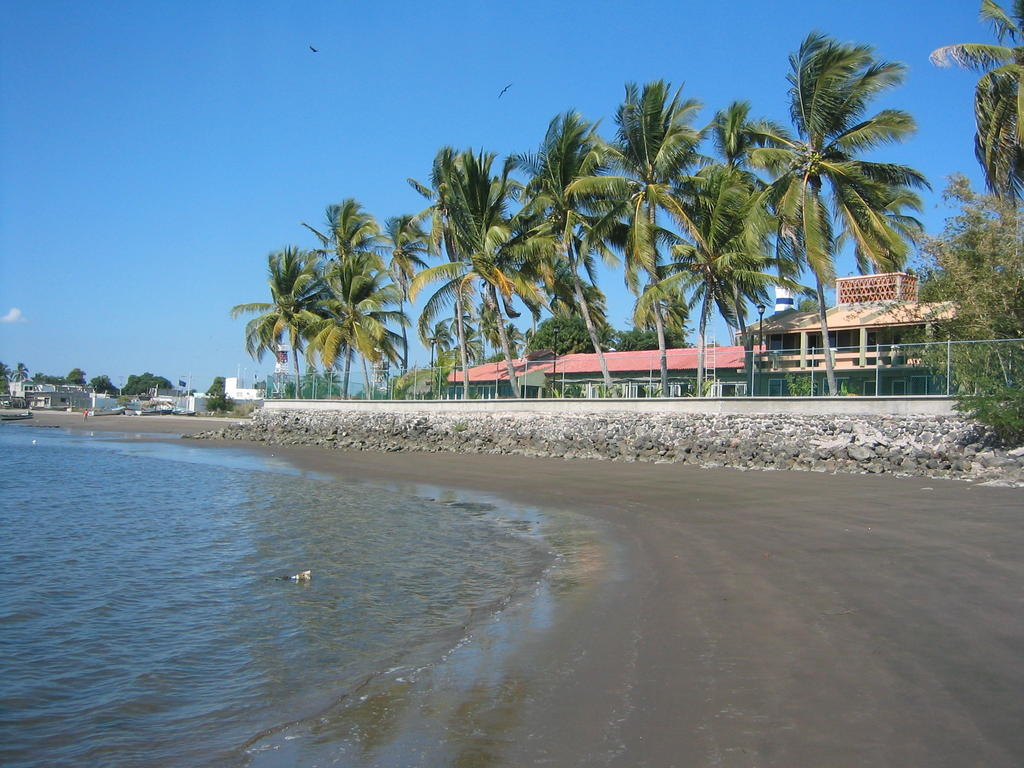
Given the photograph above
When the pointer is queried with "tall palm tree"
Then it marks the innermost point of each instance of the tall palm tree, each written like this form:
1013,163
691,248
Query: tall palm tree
820,180
998,97
577,223
497,252
440,212
350,232
355,315
728,260
735,135
654,149
295,292
408,244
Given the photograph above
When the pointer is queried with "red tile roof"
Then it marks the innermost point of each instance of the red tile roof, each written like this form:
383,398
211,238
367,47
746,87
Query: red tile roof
644,362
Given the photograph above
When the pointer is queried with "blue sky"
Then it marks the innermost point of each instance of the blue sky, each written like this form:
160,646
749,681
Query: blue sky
152,154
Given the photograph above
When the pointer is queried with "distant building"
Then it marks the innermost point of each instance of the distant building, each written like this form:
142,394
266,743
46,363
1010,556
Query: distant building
29,394
234,391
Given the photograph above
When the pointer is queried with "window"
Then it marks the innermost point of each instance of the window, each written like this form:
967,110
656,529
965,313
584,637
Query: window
776,387
869,388
919,385
899,386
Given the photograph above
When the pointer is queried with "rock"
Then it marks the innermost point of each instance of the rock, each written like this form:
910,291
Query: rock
901,445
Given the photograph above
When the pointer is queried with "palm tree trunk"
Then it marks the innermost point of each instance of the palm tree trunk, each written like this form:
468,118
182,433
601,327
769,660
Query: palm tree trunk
298,380
506,348
702,327
460,331
581,302
366,380
348,370
659,324
830,373
741,311
405,338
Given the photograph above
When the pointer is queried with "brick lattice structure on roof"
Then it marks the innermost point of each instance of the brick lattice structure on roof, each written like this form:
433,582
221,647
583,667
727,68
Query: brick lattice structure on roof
891,286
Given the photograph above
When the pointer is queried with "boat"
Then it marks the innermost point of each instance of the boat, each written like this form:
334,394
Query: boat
15,415
159,411
107,411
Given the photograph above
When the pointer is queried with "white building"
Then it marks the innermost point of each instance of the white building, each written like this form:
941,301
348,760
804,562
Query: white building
234,391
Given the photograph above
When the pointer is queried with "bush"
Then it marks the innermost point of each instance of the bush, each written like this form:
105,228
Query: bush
1002,409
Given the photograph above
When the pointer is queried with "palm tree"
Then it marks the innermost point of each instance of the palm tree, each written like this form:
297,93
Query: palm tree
654,149
998,97
295,291
571,151
820,181
497,252
350,232
409,245
354,315
456,290
5,374
728,260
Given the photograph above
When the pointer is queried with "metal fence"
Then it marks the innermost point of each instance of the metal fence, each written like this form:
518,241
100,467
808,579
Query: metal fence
931,368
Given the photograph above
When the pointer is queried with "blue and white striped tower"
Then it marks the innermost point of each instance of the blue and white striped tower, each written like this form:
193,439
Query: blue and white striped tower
783,300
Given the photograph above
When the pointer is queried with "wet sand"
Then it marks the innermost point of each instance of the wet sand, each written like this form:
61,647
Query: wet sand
752,618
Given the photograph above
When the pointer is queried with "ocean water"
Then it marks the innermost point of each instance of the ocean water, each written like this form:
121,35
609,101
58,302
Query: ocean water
144,619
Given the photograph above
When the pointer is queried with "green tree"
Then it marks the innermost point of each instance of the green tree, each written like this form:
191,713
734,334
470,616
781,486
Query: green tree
76,376
565,336
5,375
102,384
978,265
351,232
409,247
637,339
295,292
727,259
216,398
44,378
457,287
820,180
355,315
495,247
144,383
998,97
654,149
577,223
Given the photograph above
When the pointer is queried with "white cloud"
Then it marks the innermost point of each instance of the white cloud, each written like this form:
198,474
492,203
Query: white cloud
14,316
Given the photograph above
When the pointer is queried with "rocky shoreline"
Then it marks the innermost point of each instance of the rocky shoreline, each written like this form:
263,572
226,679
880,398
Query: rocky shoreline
932,446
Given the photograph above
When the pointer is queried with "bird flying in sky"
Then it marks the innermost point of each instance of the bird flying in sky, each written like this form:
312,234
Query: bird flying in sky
314,50
504,89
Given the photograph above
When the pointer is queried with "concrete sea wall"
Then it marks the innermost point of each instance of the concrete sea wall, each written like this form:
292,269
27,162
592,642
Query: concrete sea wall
930,445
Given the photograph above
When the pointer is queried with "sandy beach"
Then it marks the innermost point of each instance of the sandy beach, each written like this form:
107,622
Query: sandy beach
752,619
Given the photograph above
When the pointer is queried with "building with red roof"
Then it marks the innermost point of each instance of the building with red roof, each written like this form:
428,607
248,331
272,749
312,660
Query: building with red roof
636,373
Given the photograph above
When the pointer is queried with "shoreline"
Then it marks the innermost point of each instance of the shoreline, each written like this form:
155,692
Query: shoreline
761,618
